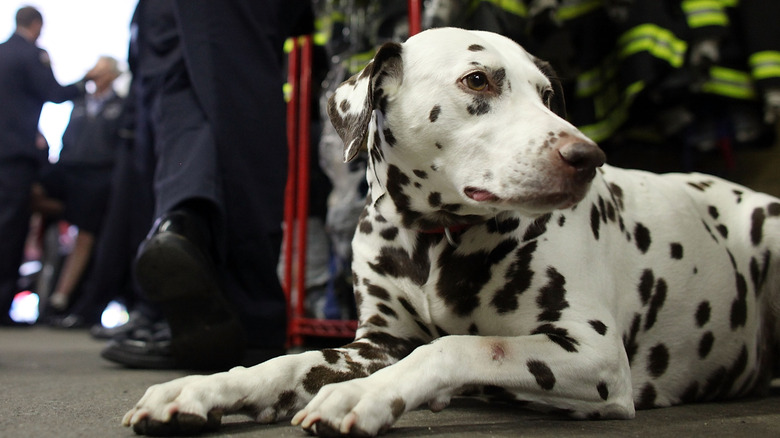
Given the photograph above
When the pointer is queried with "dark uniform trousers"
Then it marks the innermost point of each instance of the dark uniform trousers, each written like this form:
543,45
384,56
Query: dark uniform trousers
219,135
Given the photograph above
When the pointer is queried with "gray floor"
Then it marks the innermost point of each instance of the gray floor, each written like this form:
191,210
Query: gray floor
54,384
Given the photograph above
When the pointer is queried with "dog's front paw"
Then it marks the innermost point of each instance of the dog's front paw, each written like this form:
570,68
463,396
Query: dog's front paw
179,407
354,408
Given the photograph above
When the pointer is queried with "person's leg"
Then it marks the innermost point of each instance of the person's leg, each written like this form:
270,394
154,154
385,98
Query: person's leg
72,270
16,179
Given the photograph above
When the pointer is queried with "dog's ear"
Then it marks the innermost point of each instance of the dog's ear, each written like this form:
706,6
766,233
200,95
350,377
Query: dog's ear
351,105
558,101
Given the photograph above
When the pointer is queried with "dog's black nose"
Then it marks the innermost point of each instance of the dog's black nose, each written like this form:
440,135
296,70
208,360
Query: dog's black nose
583,156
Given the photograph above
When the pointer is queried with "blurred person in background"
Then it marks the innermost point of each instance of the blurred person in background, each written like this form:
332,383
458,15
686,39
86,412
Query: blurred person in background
81,179
26,83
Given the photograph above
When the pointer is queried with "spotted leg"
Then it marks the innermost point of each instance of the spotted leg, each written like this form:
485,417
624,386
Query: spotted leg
534,368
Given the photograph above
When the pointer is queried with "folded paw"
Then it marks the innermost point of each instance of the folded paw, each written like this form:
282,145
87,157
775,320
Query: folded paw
182,406
355,408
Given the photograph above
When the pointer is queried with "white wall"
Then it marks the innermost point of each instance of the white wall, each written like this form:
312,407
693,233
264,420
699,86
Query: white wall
75,33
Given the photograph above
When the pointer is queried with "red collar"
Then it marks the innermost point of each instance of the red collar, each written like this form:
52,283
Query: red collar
448,232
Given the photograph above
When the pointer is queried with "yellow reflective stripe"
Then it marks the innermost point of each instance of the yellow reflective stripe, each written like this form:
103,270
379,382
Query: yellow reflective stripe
657,41
570,10
701,13
765,64
516,7
603,129
356,62
730,83
729,3
591,81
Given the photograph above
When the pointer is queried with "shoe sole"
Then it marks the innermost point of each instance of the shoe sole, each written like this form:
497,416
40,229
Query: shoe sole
206,333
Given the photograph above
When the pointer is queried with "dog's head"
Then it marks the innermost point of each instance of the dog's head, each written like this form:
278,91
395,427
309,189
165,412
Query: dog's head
464,124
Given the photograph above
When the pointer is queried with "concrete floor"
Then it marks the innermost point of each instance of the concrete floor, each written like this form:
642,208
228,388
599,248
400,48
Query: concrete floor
53,383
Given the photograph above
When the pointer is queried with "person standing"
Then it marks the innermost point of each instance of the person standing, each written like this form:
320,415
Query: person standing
211,78
81,179
26,83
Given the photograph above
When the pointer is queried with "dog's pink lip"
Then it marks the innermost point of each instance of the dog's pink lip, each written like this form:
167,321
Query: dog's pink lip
480,195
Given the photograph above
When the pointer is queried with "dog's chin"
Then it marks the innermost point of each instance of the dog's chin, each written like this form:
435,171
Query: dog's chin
532,204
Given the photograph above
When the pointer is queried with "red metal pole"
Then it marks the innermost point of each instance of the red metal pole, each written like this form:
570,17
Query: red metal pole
304,139
290,188
415,17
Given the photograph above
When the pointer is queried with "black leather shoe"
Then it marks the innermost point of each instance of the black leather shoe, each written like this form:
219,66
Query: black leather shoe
147,347
175,270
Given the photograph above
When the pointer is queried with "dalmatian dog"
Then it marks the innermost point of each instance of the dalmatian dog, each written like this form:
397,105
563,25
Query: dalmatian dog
498,256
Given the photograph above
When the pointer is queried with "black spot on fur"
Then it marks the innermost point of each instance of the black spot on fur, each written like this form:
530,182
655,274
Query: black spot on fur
387,310
504,226
389,137
659,297
552,297
629,339
713,212
599,326
420,174
676,251
464,275
518,280
646,283
321,375
647,397
434,114
479,106
558,335
642,237
603,390
658,360
738,315
723,230
285,403
757,226
476,48
537,228
408,306
595,223
377,291
703,313
394,346
721,382
758,273
396,262
434,199
542,373
377,321
705,344
389,234
366,227
331,356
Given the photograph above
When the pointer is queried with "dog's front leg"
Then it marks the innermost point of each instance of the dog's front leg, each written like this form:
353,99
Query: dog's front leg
265,392
594,381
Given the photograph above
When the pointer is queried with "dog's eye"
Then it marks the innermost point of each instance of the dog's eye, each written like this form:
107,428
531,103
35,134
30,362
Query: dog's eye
547,95
476,81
